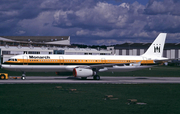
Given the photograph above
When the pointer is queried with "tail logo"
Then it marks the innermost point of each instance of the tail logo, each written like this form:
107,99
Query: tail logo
157,48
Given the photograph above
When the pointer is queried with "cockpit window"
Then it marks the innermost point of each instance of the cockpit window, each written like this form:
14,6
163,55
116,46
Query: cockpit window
12,60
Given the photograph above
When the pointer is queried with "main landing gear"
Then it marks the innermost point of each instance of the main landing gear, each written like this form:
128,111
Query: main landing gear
23,76
96,77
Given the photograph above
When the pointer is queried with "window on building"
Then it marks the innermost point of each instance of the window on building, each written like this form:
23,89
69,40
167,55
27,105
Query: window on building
33,52
5,52
58,52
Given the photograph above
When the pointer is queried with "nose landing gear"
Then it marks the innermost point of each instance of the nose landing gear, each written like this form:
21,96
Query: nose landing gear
23,76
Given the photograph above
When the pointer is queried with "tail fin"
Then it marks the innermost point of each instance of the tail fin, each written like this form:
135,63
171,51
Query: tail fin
156,48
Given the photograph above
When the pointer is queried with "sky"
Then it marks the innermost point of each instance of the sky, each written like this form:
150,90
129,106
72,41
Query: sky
92,22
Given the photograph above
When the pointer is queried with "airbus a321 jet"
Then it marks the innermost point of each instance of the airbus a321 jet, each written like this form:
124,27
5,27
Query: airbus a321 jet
84,66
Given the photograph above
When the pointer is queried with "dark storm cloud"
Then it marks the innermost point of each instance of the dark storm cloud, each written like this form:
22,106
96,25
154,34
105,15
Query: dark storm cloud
163,23
67,4
163,16
13,11
170,7
103,16
95,21
21,9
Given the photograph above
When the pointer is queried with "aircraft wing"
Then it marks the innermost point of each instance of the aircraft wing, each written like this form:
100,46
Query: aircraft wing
123,67
101,66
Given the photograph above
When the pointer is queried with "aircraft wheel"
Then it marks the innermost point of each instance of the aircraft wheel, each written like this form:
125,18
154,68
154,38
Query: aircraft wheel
83,78
23,77
96,77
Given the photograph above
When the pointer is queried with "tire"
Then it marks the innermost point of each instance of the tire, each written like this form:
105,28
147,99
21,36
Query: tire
23,78
96,77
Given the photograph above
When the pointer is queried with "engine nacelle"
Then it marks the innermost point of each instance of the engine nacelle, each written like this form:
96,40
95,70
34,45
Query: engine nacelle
82,72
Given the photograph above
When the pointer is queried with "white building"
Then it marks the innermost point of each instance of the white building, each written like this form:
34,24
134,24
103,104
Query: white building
15,45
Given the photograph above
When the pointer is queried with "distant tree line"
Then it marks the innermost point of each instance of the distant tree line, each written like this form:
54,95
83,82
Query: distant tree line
90,46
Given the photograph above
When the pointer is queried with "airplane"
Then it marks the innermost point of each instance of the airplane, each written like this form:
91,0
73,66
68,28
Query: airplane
84,66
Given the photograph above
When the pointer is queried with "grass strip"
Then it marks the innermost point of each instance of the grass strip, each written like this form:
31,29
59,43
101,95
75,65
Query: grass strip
89,98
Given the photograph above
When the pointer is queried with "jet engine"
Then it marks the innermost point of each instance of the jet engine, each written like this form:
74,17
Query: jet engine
82,72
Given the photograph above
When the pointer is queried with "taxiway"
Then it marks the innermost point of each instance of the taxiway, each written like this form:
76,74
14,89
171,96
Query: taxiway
105,80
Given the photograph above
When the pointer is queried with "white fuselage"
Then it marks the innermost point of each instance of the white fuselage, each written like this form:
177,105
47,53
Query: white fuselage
64,63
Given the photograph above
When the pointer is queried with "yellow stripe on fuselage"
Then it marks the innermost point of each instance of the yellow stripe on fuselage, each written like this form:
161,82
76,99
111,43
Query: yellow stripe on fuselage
88,61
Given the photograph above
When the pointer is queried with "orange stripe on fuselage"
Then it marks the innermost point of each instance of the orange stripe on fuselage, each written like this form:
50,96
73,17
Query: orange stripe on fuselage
79,61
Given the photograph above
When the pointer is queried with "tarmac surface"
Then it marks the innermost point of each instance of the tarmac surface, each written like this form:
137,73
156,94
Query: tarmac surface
104,80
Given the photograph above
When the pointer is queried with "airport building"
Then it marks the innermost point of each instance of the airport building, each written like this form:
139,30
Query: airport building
171,50
15,45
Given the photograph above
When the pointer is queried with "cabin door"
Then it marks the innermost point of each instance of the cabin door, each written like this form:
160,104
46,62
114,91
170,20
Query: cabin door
103,60
61,60
144,60
25,60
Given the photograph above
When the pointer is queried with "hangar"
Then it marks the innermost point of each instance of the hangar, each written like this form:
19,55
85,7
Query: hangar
14,45
171,50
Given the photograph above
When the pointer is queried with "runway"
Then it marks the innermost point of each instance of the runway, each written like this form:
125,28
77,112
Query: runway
103,80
